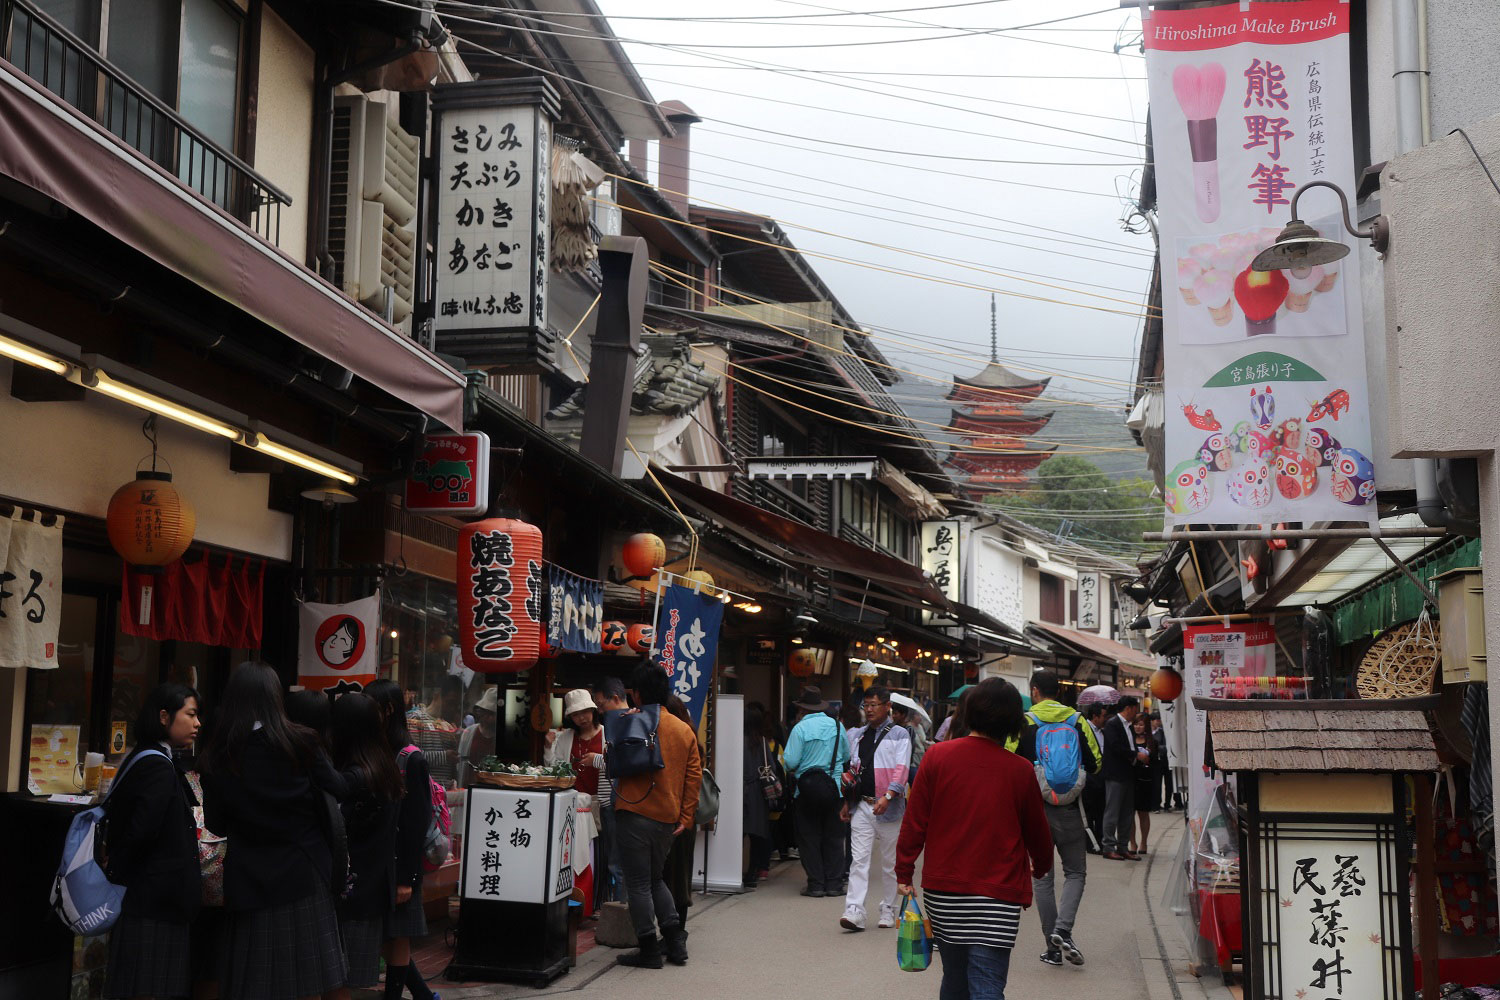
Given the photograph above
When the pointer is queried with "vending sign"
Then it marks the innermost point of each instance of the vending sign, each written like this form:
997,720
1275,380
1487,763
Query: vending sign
451,475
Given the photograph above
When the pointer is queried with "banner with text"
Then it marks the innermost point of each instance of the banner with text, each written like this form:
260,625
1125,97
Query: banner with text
338,645
575,610
1268,417
1213,655
687,643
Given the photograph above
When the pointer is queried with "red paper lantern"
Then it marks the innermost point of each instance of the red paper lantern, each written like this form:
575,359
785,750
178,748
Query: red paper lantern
640,636
612,637
500,593
149,522
803,662
1166,684
907,650
643,554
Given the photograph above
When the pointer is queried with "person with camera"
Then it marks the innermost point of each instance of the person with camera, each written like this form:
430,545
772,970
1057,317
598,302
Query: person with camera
815,756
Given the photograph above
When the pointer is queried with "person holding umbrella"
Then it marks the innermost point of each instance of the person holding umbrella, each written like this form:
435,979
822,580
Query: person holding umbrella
907,712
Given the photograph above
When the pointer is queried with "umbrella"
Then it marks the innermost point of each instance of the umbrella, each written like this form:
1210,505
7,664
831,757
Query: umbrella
1101,693
959,693
1026,702
911,706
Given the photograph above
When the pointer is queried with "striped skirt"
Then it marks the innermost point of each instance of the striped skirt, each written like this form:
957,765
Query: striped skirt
148,958
962,918
282,952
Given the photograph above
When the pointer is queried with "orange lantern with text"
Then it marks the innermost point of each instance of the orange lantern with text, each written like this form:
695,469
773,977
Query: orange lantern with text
612,637
150,524
640,636
643,554
1166,684
803,662
500,595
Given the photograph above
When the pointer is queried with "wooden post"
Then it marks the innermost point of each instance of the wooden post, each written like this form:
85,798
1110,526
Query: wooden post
1427,917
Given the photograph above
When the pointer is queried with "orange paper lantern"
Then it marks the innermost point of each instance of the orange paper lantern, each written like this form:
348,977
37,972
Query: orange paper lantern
612,637
700,578
500,593
1166,684
803,662
643,554
640,636
149,522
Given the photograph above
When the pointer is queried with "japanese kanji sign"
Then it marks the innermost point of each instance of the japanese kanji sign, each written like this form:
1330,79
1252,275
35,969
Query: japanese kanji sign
518,845
1088,602
30,592
940,559
451,474
1212,654
575,610
1265,371
687,643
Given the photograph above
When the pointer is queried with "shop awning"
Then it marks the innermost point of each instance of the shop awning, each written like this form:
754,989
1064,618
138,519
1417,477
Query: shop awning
1093,647
50,148
797,543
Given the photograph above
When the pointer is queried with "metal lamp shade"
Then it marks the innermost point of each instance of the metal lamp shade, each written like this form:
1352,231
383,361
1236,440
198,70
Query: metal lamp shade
1299,245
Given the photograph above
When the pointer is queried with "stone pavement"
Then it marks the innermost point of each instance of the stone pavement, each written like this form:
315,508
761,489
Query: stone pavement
773,942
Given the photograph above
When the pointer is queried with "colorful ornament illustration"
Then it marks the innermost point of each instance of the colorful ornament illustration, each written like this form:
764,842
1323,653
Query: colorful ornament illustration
1203,421
1296,476
1321,446
1216,452
1250,485
1353,478
1263,409
1188,489
1288,434
1331,405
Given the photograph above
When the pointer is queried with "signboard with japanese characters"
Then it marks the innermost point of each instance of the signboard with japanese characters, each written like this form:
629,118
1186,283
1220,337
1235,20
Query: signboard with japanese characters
780,467
575,610
1329,905
1265,370
941,559
518,845
451,475
687,643
1088,602
1212,656
30,591
493,146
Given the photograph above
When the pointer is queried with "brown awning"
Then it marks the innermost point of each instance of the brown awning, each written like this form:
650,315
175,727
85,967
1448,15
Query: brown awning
1096,647
797,543
51,148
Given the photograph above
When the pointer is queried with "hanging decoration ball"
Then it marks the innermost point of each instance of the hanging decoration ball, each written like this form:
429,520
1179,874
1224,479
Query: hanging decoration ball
149,522
500,595
971,671
640,636
1166,684
908,651
803,662
702,579
612,637
643,553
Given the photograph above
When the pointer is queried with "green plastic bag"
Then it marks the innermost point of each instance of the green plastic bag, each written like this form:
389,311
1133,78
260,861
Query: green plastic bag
913,938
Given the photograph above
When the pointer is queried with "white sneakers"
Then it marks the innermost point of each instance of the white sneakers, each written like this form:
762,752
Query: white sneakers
887,915
853,919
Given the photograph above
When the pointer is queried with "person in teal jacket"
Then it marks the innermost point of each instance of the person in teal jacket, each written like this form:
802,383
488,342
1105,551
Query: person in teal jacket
817,744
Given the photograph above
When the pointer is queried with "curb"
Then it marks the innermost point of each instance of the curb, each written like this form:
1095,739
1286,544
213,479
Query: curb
1160,945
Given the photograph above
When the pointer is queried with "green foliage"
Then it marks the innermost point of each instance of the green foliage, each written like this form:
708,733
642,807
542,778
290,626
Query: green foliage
1074,498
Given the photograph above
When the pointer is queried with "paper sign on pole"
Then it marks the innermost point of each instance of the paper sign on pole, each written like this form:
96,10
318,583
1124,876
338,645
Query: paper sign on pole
1211,655
1268,410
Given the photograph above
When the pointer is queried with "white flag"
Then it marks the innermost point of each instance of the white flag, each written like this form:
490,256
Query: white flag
338,644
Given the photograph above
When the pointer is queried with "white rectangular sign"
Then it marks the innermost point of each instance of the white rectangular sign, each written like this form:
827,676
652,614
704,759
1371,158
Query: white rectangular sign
1268,416
518,845
810,468
941,558
1088,602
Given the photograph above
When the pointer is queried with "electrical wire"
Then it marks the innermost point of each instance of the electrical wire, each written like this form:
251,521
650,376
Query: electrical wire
877,72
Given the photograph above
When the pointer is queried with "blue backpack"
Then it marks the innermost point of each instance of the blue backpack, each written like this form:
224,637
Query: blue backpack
1059,760
82,895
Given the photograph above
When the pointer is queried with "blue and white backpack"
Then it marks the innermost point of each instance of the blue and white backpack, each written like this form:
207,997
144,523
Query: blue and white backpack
1059,760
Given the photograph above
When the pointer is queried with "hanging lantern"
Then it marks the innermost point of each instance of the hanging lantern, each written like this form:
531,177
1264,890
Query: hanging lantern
908,651
648,584
500,593
803,662
149,522
643,553
612,637
1166,684
640,636
702,579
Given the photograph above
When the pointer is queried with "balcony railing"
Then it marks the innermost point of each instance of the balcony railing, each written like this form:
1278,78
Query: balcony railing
70,68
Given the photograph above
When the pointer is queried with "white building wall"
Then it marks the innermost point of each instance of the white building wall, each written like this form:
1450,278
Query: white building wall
284,125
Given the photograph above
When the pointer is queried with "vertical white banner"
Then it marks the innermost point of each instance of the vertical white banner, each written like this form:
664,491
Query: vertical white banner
1268,409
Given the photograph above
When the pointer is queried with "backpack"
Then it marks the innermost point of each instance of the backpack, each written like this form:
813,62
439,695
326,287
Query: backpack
630,743
435,842
1059,760
83,897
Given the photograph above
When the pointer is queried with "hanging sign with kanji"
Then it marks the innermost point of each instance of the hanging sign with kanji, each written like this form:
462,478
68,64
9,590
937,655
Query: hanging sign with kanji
1268,417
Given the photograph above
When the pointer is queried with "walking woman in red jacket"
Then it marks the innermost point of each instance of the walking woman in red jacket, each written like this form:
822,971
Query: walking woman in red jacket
977,814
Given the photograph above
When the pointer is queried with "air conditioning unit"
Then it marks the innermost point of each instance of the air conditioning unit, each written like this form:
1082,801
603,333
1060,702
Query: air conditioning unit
373,205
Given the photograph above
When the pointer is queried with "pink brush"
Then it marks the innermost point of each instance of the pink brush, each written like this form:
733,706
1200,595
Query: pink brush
1200,90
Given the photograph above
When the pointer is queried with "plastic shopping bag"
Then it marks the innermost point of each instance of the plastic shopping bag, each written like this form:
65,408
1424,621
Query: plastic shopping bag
913,938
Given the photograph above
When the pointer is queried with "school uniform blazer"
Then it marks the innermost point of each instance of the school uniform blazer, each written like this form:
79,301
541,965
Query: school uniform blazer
1119,751
370,824
413,817
152,840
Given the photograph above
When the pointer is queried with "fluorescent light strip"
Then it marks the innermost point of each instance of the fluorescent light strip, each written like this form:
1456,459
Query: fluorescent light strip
294,457
17,351
161,407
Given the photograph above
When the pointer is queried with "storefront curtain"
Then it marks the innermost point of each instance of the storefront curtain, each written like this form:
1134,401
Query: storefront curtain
1394,599
212,601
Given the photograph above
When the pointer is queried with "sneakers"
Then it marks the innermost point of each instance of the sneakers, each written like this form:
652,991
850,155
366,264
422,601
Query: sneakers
814,893
853,919
1051,957
887,916
1063,943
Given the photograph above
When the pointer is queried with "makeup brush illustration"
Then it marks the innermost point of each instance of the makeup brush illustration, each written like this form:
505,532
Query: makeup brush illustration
1200,90
1260,294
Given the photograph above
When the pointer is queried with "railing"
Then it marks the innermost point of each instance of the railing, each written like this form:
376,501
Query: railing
70,68
764,494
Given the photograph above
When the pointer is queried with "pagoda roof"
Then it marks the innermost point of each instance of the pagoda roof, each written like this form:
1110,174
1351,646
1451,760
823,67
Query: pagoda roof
996,381
983,463
986,421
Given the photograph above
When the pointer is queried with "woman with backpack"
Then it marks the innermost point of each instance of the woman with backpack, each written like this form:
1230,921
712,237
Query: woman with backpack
405,920
153,853
264,784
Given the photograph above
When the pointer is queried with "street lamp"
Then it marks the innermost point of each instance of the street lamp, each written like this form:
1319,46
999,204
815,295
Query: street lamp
1300,245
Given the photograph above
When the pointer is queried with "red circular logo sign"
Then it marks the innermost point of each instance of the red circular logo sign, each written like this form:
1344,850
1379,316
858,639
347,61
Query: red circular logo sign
340,641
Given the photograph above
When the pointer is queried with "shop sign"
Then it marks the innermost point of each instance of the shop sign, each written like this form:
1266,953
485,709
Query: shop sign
1088,602
941,559
1212,654
575,613
518,845
30,591
500,595
451,475
687,643
338,645
811,468
1271,414
493,149
763,651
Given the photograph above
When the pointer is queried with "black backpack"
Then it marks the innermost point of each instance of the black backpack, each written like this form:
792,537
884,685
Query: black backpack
818,788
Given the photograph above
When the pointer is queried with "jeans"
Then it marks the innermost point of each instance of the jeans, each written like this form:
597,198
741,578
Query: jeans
643,846
610,877
973,971
820,843
1071,841
874,843
1119,814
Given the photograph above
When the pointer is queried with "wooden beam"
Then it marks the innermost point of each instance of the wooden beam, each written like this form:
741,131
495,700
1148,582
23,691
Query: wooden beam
1427,917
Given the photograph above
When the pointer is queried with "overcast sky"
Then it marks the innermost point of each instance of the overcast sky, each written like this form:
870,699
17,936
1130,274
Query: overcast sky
973,102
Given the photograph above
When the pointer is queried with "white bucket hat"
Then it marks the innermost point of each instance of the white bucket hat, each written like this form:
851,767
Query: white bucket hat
577,700
489,700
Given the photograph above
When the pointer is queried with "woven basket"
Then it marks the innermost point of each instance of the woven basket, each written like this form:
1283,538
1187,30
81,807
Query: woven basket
1402,662
498,779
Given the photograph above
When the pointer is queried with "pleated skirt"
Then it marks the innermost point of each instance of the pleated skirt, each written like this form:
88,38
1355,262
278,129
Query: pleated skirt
149,958
282,952
407,920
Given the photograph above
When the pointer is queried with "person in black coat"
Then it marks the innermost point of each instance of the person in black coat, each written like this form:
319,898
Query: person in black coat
1093,791
1120,757
153,853
263,784
757,810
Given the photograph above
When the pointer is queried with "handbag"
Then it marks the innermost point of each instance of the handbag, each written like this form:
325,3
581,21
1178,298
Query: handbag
913,938
211,850
630,746
708,800
771,784
817,789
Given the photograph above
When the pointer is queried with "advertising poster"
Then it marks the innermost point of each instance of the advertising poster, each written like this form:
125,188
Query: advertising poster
1212,654
338,649
1267,409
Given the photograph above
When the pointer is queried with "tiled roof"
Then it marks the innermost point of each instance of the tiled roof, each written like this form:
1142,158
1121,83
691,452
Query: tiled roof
1319,736
668,382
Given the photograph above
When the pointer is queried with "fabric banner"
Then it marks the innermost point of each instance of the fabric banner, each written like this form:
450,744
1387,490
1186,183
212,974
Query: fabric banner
217,605
30,591
1212,654
575,611
687,642
338,644
1268,417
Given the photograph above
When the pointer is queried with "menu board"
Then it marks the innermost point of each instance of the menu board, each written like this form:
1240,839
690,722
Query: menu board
53,758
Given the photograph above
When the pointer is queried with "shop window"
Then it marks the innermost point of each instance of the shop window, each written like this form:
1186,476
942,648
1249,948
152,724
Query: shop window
1052,599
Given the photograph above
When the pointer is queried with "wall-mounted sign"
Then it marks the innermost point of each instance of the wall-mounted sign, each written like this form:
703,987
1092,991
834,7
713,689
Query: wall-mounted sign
493,154
451,475
338,644
575,610
687,643
763,651
780,467
1088,602
518,845
941,559
30,591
